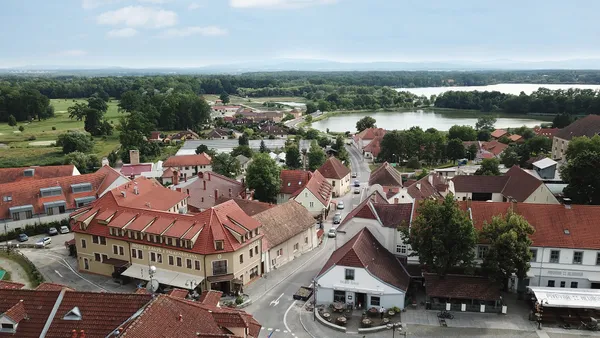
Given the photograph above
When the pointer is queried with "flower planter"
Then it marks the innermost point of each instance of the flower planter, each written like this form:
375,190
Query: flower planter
366,322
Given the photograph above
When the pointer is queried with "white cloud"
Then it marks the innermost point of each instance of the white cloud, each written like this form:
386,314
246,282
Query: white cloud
122,33
194,6
91,4
154,1
278,3
194,30
138,16
71,53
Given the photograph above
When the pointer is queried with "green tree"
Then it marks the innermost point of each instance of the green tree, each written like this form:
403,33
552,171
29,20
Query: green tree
226,165
311,107
472,152
263,177
510,157
78,111
508,252
455,149
243,140
581,175
308,119
540,145
85,163
12,121
242,150
263,147
292,157
413,163
21,128
442,235
562,120
504,139
224,97
201,149
311,134
489,167
365,123
484,135
97,103
73,141
578,145
316,156
463,133
342,153
485,123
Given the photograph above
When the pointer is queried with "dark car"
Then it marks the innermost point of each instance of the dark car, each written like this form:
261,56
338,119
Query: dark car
23,238
337,218
356,183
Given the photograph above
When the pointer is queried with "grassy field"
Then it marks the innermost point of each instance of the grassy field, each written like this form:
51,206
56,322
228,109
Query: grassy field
255,102
23,150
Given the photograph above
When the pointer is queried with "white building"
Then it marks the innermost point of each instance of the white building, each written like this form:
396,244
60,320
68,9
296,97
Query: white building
364,273
316,195
188,166
337,174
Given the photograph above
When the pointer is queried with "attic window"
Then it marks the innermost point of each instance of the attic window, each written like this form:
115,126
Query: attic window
6,198
219,245
7,327
567,232
81,187
52,191
28,172
74,314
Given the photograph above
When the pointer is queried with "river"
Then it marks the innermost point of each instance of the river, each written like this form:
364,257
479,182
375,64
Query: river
507,88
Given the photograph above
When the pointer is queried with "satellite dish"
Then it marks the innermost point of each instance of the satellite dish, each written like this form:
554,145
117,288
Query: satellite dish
152,285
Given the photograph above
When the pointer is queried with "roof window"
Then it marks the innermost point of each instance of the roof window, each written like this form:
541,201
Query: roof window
29,172
74,314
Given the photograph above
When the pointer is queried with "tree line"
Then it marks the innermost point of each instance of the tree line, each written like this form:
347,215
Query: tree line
23,104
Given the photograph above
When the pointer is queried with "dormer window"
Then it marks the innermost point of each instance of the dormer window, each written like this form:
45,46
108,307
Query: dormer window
29,172
81,187
219,245
8,327
6,198
74,314
52,191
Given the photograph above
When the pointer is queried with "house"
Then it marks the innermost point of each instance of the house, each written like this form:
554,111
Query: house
316,195
586,126
274,130
493,147
221,110
188,165
218,248
386,176
295,113
545,168
372,150
275,116
515,184
60,312
516,138
363,138
250,207
134,168
168,176
498,133
432,186
291,182
51,199
182,136
289,231
244,162
22,174
337,174
205,188
547,132
222,134
363,273
156,136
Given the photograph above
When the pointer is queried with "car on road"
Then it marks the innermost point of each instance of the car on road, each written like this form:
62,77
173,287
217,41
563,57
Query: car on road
340,205
52,231
331,233
356,183
64,229
354,175
337,218
357,190
23,238
43,242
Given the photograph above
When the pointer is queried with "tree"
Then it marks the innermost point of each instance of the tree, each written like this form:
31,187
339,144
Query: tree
308,119
96,102
242,150
472,151
224,97
504,139
489,167
485,123
77,111
484,135
342,153
561,121
12,121
201,149
316,156
464,133
292,157
311,107
75,141
581,175
510,157
311,134
413,163
263,147
578,145
455,149
540,145
442,235
365,123
508,252
226,165
21,128
263,177
85,163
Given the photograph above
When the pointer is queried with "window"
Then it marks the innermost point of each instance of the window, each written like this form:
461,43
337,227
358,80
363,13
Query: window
188,263
296,247
153,257
279,252
533,254
256,249
115,250
574,285
159,258
219,245
554,256
339,296
375,301
16,216
140,254
83,243
481,251
305,240
134,253
219,267
197,265
562,284
95,240
242,258
28,214
169,241
349,274
86,264
551,283
121,251
97,257
6,198
171,260
102,240
598,258
104,257
577,257
401,249
311,204
179,261
7,327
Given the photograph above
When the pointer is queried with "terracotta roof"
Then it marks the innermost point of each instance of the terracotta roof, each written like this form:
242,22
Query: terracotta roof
187,160
150,195
498,133
364,251
178,293
169,173
364,209
17,312
393,215
319,187
284,221
155,135
374,147
515,137
210,297
293,180
548,132
187,134
11,285
135,169
52,287
461,287
371,133
515,183
385,175
207,187
250,207
38,306
424,189
334,169
520,185
479,183
11,175
494,147
468,144
273,130
586,126
219,133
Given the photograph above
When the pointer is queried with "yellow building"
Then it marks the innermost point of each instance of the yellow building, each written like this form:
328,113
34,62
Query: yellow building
142,225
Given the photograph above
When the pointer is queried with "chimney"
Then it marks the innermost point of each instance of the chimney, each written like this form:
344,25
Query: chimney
81,334
134,156
419,185
136,190
230,193
185,177
180,318
430,179
105,161
567,203
74,334
175,177
468,203
216,194
123,193
204,183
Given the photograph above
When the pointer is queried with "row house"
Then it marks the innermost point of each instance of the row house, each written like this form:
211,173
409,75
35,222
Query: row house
337,174
188,166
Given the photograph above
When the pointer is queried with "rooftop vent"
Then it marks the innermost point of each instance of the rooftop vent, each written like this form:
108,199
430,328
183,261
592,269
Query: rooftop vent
74,314
567,202
566,231
123,193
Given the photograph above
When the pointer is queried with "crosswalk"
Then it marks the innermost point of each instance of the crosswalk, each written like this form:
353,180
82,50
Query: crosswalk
277,331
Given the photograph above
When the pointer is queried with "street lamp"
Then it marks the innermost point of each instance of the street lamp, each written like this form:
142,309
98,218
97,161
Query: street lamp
151,272
315,289
398,327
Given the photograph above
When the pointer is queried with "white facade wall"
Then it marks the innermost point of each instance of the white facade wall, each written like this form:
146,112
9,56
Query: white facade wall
191,171
401,197
310,202
341,186
584,274
542,195
306,241
463,196
559,148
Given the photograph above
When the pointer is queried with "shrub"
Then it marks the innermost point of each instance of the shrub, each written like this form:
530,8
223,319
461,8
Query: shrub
32,230
21,128
53,128
413,163
31,138
239,300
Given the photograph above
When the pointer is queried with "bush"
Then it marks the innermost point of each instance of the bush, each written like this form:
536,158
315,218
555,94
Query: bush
413,163
33,229
31,138
21,128
239,300
53,128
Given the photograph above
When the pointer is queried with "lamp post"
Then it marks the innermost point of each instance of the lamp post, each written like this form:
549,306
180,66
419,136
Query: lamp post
398,327
315,289
151,272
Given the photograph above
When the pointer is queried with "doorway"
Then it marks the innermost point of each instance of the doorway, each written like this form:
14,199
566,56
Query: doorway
360,300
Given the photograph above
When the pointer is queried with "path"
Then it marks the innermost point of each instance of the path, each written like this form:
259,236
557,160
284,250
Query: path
17,273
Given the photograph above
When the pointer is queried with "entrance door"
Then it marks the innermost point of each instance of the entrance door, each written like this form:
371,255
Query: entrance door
360,300
595,286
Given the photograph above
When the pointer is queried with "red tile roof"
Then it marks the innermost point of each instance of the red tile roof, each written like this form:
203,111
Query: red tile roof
586,126
319,187
135,169
548,132
424,189
374,147
169,173
494,147
210,297
393,215
11,175
206,188
334,169
150,195
498,133
515,137
155,135
17,312
187,160
371,133
479,183
250,207
461,287
516,183
11,285
385,175
38,306
284,221
52,287
178,293
364,251
293,180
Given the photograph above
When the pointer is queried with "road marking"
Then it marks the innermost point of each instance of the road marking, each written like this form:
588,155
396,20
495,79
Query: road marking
270,329
285,316
58,273
276,301
277,330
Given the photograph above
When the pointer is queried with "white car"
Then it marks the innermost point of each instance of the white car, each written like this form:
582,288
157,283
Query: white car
331,233
64,229
340,205
43,242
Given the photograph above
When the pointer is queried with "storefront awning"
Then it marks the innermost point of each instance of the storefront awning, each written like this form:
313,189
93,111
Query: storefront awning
567,298
344,287
116,262
163,276
220,278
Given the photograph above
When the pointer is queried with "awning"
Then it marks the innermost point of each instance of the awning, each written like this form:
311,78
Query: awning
85,200
567,298
54,204
116,262
21,208
220,278
163,276
356,289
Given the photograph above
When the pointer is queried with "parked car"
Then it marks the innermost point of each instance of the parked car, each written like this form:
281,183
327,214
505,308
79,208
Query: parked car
354,175
337,218
43,242
357,190
331,233
356,183
340,205
23,238
64,229
52,231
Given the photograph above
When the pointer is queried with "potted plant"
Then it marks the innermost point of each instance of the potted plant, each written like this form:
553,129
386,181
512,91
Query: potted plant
366,322
372,312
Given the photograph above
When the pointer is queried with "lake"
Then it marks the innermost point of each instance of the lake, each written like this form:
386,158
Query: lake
507,88
431,118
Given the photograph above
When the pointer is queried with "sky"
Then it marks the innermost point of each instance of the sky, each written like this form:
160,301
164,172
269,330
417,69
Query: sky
193,33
